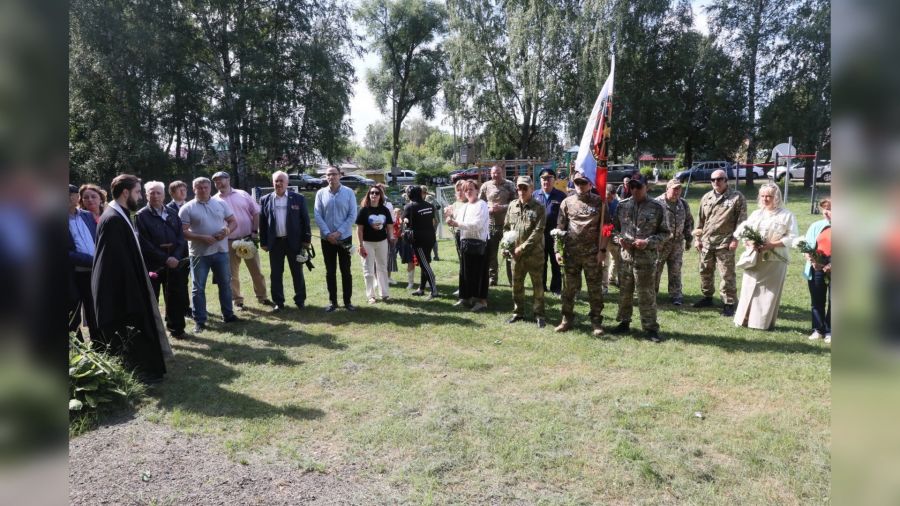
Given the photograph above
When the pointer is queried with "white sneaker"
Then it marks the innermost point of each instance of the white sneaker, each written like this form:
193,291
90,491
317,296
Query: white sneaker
815,335
828,337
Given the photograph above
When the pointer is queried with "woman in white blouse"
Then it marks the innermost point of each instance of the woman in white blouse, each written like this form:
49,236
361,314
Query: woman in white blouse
471,219
763,279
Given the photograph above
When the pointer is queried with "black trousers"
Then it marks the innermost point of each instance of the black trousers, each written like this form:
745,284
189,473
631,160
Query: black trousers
85,301
555,272
334,254
473,276
174,286
277,255
423,253
820,295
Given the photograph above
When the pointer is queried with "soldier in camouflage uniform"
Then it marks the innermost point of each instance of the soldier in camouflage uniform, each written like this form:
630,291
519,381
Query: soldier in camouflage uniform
671,251
640,226
498,193
579,216
526,217
720,212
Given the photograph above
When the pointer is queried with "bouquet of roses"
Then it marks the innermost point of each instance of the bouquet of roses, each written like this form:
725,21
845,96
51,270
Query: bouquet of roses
244,248
752,234
559,242
508,243
815,256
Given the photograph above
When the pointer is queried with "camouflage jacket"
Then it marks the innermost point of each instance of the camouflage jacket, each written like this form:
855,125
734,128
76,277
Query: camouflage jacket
719,217
528,220
680,219
645,220
501,194
579,216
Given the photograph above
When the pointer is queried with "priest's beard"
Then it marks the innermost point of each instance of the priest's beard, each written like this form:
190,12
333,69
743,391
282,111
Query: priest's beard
132,203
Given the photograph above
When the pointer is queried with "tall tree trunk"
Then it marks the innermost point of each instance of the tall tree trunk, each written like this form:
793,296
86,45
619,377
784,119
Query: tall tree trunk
753,52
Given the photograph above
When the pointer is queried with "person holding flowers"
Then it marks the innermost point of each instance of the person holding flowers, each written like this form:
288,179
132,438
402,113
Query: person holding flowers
163,246
472,221
525,221
769,232
284,233
816,247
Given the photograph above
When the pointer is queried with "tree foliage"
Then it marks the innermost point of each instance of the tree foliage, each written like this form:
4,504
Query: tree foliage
411,67
157,86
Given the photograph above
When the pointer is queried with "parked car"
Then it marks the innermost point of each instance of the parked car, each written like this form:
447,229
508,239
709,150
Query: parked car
741,172
404,177
355,181
476,173
619,171
306,181
702,171
798,171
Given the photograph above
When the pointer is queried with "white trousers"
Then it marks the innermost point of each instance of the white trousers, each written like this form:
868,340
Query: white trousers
375,268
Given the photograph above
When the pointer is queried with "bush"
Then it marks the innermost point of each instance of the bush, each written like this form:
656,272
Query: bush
97,381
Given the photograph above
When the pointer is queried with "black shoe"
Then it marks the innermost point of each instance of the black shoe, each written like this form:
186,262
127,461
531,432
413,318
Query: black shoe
728,310
239,306
330,308
418,293
199,327
654,336
623,327
277,308
181,336
514,318
704,302
541,323
436,259
677,301
301,305
267,302
232,319
350,307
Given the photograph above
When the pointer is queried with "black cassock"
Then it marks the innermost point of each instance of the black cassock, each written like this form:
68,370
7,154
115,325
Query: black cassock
123,298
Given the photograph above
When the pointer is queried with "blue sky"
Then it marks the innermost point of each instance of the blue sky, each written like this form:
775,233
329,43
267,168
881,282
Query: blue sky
364,112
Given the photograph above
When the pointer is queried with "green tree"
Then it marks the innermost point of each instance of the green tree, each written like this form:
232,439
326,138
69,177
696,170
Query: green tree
411,67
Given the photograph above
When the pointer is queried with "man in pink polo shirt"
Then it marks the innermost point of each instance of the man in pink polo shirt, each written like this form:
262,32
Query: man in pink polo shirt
246,214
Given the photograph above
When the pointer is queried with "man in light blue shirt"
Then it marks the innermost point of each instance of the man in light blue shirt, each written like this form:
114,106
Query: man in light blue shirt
335,214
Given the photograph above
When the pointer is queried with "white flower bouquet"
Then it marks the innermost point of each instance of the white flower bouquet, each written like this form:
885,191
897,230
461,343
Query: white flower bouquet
559,242
244,248
508,243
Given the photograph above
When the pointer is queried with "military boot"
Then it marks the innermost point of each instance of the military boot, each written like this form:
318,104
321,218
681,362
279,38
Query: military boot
728,310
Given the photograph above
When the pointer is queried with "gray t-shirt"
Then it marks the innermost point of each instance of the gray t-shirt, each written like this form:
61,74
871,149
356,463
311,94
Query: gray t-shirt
206,218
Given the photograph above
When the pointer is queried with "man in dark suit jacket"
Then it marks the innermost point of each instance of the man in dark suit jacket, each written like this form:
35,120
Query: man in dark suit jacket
284,232
81,248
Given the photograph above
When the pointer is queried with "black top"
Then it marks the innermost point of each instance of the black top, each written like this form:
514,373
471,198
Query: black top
421,221
374,221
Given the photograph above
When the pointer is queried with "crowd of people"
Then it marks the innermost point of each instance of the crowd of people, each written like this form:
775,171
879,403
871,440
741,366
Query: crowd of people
122,256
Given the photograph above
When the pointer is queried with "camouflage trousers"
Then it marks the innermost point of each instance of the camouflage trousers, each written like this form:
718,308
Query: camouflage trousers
532,266
671,255
723,259
575,264
638,275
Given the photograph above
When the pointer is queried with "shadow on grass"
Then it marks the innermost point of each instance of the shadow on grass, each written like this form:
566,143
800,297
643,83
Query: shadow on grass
236,353
740,344
280,332
195,385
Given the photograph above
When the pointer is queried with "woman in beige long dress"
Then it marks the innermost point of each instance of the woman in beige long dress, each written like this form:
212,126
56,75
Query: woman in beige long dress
762,283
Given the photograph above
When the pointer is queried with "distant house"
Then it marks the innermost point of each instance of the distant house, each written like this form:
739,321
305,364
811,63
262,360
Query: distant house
664,162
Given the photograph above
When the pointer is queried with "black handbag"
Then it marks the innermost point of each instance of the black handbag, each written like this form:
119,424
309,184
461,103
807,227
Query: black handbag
472,246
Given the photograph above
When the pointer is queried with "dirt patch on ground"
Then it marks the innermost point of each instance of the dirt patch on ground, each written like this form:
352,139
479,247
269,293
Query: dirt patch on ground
140,462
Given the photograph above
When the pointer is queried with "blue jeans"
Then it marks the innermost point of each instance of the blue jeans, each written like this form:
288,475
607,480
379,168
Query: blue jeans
820,295
200,267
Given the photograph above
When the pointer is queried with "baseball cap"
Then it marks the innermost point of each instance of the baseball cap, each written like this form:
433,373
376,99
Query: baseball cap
635,183
523,180
578,175
221,173
673,183
547,171
73,188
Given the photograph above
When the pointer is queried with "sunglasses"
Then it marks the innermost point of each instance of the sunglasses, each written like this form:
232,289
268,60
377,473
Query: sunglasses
717,179
374,193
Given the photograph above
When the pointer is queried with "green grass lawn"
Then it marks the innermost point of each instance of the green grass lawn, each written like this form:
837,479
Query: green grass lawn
448,406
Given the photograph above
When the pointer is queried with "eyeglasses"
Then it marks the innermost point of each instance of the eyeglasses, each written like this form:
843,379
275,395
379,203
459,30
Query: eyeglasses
717,179
374,193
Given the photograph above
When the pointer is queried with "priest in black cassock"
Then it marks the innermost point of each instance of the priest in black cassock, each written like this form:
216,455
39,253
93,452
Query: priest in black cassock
126,308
